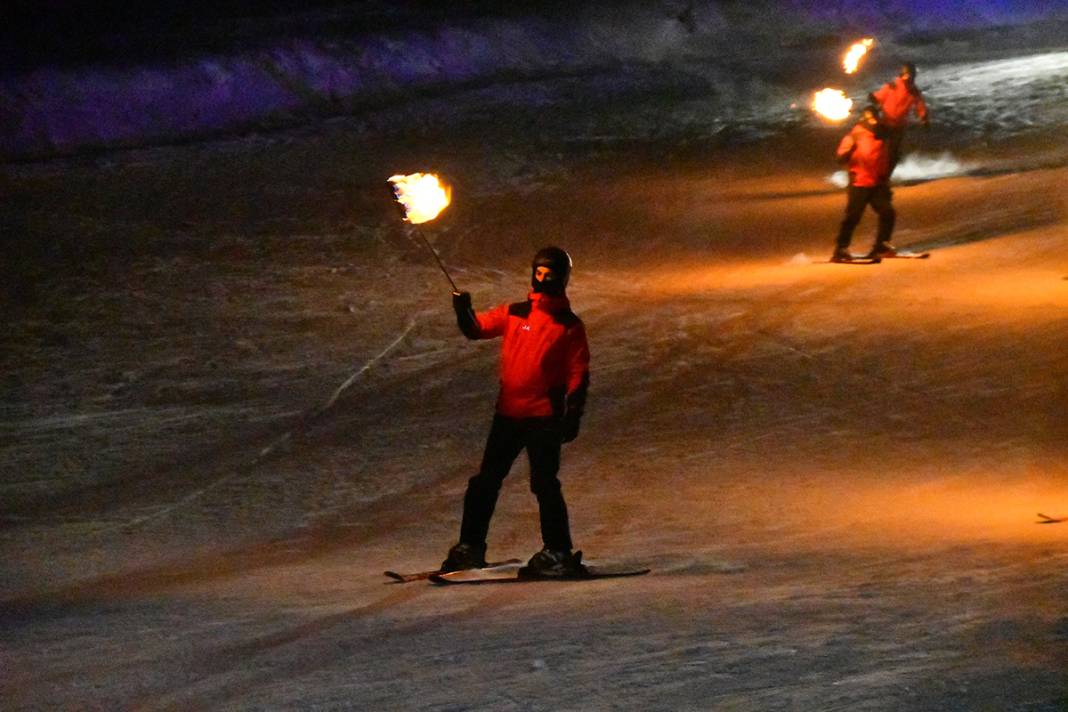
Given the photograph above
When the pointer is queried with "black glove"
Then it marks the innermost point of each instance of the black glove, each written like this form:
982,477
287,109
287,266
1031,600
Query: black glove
569,427
465,315
461,301
574,406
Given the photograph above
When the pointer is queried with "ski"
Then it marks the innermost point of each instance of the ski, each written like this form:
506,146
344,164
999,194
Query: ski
876,259
906,255
853,260
1044,519
517,573
423,575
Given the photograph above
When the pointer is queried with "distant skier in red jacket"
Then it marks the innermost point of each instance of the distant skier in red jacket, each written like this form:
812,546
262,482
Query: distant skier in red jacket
544,375
866,153
897,99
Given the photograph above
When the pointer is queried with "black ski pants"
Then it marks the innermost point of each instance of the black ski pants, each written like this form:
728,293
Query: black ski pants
896,138
507,437
878,197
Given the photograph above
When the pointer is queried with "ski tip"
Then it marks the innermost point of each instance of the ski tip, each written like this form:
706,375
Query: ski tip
1045,519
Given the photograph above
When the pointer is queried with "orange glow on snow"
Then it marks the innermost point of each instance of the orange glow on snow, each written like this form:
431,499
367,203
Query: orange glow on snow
832,104
423,196
856,52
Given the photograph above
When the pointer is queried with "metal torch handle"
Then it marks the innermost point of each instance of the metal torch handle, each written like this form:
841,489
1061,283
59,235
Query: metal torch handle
438,259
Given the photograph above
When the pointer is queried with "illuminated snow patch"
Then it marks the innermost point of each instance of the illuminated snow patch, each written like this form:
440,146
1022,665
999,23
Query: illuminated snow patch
1001,97
839,179
914,167
919,167
971,79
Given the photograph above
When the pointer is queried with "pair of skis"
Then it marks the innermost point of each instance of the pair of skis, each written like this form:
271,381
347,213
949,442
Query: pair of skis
514,571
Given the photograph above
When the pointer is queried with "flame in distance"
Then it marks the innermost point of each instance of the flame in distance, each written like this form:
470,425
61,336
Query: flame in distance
422,195
832,104
855,53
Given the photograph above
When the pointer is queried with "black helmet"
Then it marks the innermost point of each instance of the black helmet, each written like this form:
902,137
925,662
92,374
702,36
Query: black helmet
911,69
559,262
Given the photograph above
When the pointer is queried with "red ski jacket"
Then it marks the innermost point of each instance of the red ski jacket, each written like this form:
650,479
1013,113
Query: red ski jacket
545,359
896,99
868,157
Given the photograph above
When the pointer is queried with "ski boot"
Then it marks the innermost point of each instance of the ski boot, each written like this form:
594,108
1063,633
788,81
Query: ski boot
465,556
842,254
882,249
548,563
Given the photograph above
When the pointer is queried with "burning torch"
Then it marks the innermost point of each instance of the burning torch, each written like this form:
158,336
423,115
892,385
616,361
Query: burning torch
832,104
422,197
855,53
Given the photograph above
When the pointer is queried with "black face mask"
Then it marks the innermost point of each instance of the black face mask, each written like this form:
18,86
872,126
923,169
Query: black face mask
549,285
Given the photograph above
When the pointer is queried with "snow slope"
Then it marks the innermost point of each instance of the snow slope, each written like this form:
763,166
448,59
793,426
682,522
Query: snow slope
233,393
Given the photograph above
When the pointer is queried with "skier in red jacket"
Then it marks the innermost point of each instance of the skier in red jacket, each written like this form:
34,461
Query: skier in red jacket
866,152
897,99
544,375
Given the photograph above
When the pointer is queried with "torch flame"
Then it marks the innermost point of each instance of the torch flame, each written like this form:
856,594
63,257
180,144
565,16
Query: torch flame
851,60
832,104
422,195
